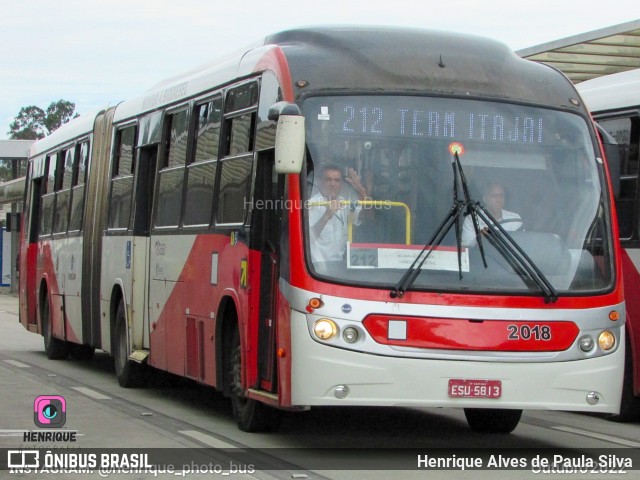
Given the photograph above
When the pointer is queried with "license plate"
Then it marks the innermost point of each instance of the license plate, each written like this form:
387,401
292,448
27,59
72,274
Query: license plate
465,388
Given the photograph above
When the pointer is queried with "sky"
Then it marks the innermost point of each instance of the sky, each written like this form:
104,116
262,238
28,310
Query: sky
97,53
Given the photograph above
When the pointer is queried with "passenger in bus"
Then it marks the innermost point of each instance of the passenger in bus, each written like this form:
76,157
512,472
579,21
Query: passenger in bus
494,201
328,224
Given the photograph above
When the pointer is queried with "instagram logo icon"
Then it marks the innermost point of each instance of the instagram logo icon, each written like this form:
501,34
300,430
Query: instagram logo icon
49,411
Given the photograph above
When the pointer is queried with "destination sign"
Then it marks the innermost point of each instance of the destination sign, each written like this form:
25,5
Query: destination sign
424,118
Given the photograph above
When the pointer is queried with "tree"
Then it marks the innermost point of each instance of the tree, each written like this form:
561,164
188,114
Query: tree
59,113
28,125
33,123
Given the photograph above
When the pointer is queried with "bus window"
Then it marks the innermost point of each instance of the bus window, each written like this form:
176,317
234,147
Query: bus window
201,173
242,97
626,131
240,137
61,214
172,171
48,198
234,189
77,196
236,165
236,171
122,179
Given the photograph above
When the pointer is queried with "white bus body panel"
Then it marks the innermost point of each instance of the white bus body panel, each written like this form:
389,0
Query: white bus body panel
139,330
117,253
611,92
168,257
67,261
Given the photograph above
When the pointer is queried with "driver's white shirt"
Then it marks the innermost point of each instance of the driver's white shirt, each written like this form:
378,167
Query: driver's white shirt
331,244
510,221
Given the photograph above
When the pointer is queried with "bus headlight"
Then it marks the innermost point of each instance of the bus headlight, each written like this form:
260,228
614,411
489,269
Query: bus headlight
606,340
325,329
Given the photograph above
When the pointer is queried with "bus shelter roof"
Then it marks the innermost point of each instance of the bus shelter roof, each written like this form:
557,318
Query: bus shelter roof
592,54
14,149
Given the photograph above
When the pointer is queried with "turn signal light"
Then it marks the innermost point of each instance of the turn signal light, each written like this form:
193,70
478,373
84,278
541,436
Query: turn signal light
314,303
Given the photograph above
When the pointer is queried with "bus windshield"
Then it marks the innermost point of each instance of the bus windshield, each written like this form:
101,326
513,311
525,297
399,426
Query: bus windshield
380,182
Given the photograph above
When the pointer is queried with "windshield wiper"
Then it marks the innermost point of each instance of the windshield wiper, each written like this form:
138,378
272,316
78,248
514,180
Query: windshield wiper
497,236
515,255
454,217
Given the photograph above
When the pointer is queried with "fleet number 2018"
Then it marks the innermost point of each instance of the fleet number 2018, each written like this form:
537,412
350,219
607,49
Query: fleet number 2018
528,332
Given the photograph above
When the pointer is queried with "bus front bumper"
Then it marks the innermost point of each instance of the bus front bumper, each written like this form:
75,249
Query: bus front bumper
325,375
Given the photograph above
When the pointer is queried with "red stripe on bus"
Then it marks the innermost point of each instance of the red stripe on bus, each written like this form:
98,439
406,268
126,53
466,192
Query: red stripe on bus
472,335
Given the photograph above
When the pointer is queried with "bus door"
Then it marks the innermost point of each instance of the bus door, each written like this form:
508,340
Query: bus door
168,248
29,249
145,178
265,237
147,157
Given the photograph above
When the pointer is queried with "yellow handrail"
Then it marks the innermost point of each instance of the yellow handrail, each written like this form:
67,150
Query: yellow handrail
373,203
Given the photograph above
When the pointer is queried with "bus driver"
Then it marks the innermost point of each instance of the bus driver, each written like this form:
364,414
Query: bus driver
494,200
328,224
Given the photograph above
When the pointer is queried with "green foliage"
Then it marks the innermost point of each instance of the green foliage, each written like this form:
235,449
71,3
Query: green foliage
33,123
5,170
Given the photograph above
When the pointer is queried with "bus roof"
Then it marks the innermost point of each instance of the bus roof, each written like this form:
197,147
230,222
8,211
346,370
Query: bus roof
78,127
379,59
191,83
366,59
612,92
389,59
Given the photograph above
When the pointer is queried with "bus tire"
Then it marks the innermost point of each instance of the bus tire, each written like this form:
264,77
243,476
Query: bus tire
55,348
492,420
250,415
81,352
127,371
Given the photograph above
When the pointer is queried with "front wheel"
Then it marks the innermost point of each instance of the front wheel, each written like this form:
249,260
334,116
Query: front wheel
127,371
492,420
250,415
55,348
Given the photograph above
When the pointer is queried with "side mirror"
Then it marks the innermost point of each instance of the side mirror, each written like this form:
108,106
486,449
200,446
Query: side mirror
290,137
12,222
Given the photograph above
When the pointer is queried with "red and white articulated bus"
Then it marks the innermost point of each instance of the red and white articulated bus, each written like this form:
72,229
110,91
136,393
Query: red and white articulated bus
615,103
338,216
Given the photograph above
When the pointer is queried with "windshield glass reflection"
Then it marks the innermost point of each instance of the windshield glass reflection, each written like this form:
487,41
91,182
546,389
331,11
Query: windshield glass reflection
380,182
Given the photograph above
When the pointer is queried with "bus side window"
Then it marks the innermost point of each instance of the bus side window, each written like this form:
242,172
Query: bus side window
122,179
48,195
77,196
236,171
64,174
201,173
237,154
626,131
174,159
